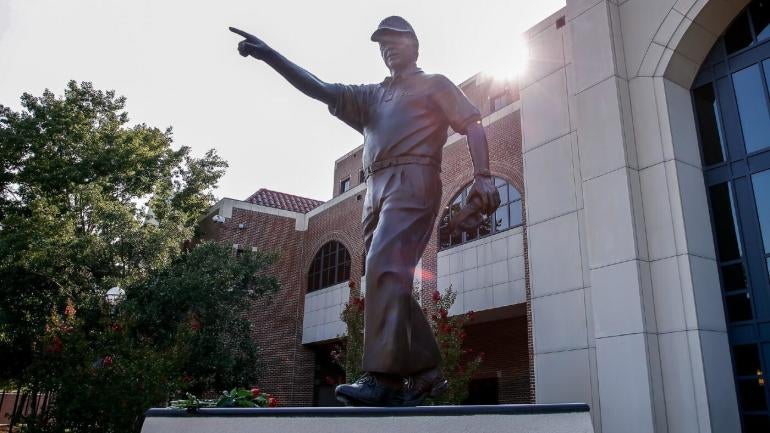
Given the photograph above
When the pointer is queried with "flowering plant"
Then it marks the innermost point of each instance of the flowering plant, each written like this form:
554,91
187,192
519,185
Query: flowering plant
458,364
237,397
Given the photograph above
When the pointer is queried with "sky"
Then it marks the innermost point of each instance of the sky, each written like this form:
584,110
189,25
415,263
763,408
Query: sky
177,65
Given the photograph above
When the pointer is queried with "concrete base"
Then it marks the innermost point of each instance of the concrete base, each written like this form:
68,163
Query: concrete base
560,418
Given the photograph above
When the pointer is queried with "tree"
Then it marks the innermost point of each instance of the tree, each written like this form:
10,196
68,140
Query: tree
89,202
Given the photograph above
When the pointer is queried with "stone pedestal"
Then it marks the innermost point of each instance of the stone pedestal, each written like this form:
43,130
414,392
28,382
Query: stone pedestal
559,418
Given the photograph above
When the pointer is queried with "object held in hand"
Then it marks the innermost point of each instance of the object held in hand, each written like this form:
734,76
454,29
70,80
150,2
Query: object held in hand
469,217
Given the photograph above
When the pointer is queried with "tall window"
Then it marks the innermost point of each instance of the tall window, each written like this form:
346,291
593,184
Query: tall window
331,265
344,185
507,216
731,98
500,100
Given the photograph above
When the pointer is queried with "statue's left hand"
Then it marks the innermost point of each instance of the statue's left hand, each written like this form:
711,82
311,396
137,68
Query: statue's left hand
484,188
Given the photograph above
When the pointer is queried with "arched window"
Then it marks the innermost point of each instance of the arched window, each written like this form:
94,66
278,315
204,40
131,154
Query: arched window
330,266
507,216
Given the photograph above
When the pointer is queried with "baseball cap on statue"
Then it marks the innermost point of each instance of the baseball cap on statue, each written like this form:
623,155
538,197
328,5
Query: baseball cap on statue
393,24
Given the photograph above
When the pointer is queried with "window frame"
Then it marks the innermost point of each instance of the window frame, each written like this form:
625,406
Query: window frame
507,202
343,183
330,266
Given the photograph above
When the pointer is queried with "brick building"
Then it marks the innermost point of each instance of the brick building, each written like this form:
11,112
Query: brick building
320,249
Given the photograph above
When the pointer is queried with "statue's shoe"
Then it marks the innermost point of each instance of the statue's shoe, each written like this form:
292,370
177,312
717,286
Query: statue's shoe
421,385
367,391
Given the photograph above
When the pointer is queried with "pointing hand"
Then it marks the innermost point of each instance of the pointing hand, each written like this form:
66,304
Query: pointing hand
251,45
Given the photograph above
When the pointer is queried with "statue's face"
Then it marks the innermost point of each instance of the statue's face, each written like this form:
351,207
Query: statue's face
398,50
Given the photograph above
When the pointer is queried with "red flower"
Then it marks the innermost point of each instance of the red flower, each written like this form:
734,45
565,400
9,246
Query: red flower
470,315
272,401
255,392
107,361
70,311
436,296
116,327
443,312
434,317
55,346
196,326
187,378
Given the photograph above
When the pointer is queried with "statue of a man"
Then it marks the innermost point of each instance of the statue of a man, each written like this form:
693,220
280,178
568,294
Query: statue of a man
404,121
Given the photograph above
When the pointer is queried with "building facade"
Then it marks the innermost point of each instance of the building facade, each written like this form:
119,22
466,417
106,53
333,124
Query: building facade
636,278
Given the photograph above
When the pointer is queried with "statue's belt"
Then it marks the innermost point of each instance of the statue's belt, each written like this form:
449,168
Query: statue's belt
401,160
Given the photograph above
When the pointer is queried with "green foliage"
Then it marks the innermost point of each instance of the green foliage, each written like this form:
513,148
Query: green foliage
88,202
350,357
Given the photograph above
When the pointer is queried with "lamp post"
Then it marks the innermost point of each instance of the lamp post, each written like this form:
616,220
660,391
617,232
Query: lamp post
113,296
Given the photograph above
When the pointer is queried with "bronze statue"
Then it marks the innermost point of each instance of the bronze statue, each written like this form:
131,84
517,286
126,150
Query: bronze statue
404,121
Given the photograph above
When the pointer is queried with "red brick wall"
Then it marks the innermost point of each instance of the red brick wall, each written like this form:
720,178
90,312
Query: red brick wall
341,222
350,166
506,357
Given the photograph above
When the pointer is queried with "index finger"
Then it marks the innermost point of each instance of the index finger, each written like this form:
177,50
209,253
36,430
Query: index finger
242,33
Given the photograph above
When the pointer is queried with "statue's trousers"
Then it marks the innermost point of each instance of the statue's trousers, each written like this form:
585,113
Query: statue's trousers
398,217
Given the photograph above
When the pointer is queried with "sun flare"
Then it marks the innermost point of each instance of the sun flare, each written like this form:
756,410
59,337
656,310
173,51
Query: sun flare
511,62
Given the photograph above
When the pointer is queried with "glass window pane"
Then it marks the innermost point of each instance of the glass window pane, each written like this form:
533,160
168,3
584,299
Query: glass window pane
513,193
503,190
756,424
752,395
515,213
738,36
328,278
723,211
328,260
766,67
471,235
501,219
707,109
443,231
746,357
499,181
486,227
456,205
761,183
760,15
734,277
752,107
738,307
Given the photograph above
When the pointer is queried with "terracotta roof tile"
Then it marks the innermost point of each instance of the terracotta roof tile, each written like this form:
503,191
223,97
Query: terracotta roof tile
280,200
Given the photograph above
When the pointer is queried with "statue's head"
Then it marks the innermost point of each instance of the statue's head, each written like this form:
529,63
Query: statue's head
398,42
